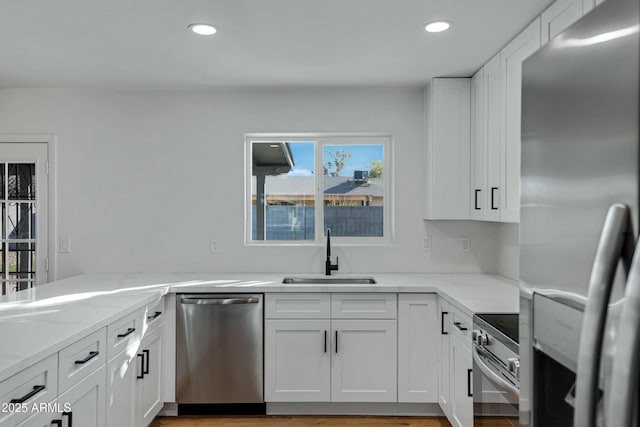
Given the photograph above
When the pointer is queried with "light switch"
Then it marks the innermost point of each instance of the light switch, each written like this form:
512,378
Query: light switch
64,245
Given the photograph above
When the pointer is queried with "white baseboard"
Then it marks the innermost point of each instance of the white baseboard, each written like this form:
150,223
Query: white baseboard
339,408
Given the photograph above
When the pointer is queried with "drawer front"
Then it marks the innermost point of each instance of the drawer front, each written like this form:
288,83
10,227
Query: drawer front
297,306
364,306
153,316
124,332
461,326
81,358
34,385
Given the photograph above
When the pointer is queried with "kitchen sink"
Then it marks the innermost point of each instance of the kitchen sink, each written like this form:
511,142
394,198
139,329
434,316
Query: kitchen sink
329,281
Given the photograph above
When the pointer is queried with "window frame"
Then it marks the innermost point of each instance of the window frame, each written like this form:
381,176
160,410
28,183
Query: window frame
320,140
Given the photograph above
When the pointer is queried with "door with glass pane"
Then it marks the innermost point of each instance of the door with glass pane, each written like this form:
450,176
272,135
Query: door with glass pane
23,199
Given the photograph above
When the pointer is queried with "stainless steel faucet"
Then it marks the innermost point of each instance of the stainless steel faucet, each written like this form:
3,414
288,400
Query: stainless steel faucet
328,266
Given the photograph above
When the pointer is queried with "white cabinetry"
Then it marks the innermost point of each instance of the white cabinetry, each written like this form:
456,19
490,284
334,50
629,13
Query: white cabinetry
297,360
559,16
345,354
486,137
149,379
496,97
511,58
444,392
121,376
461,384
447,145
417,356
364,362
86,401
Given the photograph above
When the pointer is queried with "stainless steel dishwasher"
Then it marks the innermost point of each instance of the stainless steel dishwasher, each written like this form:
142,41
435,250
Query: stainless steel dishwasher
219,348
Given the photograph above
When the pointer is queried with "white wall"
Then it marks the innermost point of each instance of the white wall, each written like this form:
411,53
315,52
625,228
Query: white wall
508,263
145,178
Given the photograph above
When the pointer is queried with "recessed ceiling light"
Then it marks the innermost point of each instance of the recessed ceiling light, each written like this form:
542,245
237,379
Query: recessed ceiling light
203,29
437,26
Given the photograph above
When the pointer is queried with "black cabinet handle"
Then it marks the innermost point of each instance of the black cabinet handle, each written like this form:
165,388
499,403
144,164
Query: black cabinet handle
129,332
146,363
475,204
141,366
459,326
70,415
57,422
493,189
442,331
325,341
36,389
336,342
154,315
91,355
469,392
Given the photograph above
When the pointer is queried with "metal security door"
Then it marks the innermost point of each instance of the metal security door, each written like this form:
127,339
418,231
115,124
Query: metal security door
23,200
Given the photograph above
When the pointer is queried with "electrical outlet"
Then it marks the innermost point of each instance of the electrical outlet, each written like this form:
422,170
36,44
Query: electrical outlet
465,244
214,244
426,243
64,245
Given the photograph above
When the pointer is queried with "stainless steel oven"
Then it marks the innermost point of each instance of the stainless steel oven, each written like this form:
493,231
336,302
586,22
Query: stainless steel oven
496,369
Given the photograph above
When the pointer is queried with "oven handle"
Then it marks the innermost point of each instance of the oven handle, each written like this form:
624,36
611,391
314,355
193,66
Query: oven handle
500,383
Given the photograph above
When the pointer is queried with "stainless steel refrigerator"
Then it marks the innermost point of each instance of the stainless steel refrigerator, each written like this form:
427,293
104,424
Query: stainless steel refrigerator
580,277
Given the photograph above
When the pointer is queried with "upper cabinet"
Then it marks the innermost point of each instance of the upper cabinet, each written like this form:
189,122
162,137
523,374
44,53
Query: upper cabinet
447,133
559,16
511,59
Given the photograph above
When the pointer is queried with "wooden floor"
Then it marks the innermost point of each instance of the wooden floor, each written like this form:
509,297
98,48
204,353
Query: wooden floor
299,421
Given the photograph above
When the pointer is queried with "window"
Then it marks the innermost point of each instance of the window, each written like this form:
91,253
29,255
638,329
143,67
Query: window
300,185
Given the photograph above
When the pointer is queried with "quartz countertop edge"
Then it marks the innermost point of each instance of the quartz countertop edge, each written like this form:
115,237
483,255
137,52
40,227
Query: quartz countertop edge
61,312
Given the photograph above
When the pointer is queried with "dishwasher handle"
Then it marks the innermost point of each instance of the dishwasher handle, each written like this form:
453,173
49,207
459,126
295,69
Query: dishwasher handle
218,300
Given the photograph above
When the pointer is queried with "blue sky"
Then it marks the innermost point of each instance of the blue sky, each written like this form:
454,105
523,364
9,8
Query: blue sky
361,157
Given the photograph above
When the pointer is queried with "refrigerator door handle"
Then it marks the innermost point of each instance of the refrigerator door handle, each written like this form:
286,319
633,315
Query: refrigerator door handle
624,380
616,242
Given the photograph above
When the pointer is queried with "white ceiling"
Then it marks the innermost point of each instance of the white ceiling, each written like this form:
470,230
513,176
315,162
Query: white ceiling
266,43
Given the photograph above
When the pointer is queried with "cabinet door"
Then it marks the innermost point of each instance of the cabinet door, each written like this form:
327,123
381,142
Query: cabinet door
512,56
297,360
461,385
444,383
121,401
364,365
477,204
558,17
85,401
149,399
418,331
447,159
493,132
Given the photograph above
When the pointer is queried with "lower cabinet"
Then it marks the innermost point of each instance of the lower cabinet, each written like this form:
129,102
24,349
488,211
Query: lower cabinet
328,359
82,405
363,368
149,398
461,385
444,392
297,360
121,377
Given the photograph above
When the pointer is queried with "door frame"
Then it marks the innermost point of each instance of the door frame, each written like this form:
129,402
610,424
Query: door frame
52,228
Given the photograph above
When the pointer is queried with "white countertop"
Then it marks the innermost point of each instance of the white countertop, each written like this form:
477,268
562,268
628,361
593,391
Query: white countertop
40,321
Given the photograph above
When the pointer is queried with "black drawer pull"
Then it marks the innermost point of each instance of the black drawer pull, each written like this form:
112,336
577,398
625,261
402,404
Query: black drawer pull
129,332
141,366
459,326
36,389
475,205
146,363
336,342
492,194
70,415
154,315
442,331
91,355
325,341
57,422
469,392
